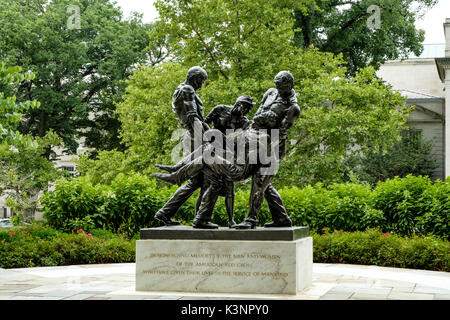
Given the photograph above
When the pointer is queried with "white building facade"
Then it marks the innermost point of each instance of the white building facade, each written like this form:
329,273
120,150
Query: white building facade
425,82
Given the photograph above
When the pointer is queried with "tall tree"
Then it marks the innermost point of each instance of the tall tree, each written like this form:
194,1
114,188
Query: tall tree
243,44
366,32
24,171
412,155
10,110
80,51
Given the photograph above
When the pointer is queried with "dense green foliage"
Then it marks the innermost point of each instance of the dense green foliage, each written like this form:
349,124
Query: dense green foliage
10,110
341,27
338,113
38,245
362,114
412,205
412,155
385,250
79,71
24,171
242,44
126,206
402,203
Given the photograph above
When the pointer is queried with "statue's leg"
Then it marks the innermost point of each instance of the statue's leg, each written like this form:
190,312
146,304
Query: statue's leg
277,210
256,196
196,154
203,216
185,173
229,203
180,196
255,202
200,196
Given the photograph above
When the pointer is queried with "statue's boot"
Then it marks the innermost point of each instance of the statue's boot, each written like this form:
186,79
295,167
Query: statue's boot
248,223
231,224
166,220
286,222
167,177
202,224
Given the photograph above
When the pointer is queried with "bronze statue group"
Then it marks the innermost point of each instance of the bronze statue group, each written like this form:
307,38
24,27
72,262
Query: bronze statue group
216,175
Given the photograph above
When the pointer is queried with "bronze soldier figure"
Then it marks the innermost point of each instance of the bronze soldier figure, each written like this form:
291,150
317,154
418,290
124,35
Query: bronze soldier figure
283,102
231,117
223,118
221,167
279,110
188,108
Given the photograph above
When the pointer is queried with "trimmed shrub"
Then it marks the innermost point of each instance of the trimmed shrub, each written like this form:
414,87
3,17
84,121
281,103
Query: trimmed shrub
39,245
412,205
75,204
387,250
401,201
338,207
436,218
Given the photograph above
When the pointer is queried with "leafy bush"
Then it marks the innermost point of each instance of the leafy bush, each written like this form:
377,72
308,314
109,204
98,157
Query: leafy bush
412,155
72,201
401,201
131,204
412,205
388,250
125,206
436,218
39,245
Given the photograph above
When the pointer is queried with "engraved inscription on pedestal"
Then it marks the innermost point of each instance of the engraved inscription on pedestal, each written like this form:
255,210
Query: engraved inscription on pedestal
279,267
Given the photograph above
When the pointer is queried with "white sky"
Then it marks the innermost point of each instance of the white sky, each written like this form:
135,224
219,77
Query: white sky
431,22
142,6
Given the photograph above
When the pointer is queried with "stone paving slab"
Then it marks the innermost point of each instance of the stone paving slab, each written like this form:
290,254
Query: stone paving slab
117,282
422,277
81,296
337,296
410,296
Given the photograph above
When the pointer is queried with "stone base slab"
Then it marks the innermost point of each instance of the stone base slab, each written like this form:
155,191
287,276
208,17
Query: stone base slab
224,266
189,233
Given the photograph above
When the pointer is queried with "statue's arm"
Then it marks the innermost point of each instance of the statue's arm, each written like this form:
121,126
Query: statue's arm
258,192
292,116
188,94
245,123
213,115
261,108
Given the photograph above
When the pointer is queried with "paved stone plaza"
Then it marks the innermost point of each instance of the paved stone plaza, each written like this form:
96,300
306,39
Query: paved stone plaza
116,281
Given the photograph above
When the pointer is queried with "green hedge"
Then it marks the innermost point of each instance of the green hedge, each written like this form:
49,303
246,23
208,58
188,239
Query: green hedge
373,247
125,206
412,205
40,245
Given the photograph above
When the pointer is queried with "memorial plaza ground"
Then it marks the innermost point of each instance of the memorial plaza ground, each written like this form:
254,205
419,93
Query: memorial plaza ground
117,282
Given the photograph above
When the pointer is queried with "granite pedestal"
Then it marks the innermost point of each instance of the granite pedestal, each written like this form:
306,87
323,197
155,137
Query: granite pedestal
263,260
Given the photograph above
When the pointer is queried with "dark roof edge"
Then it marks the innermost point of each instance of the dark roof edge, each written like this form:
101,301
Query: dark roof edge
442,64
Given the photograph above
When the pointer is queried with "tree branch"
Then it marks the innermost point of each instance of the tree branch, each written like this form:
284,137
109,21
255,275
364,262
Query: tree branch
213,58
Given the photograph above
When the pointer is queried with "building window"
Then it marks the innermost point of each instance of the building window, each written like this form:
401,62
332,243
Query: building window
69,171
